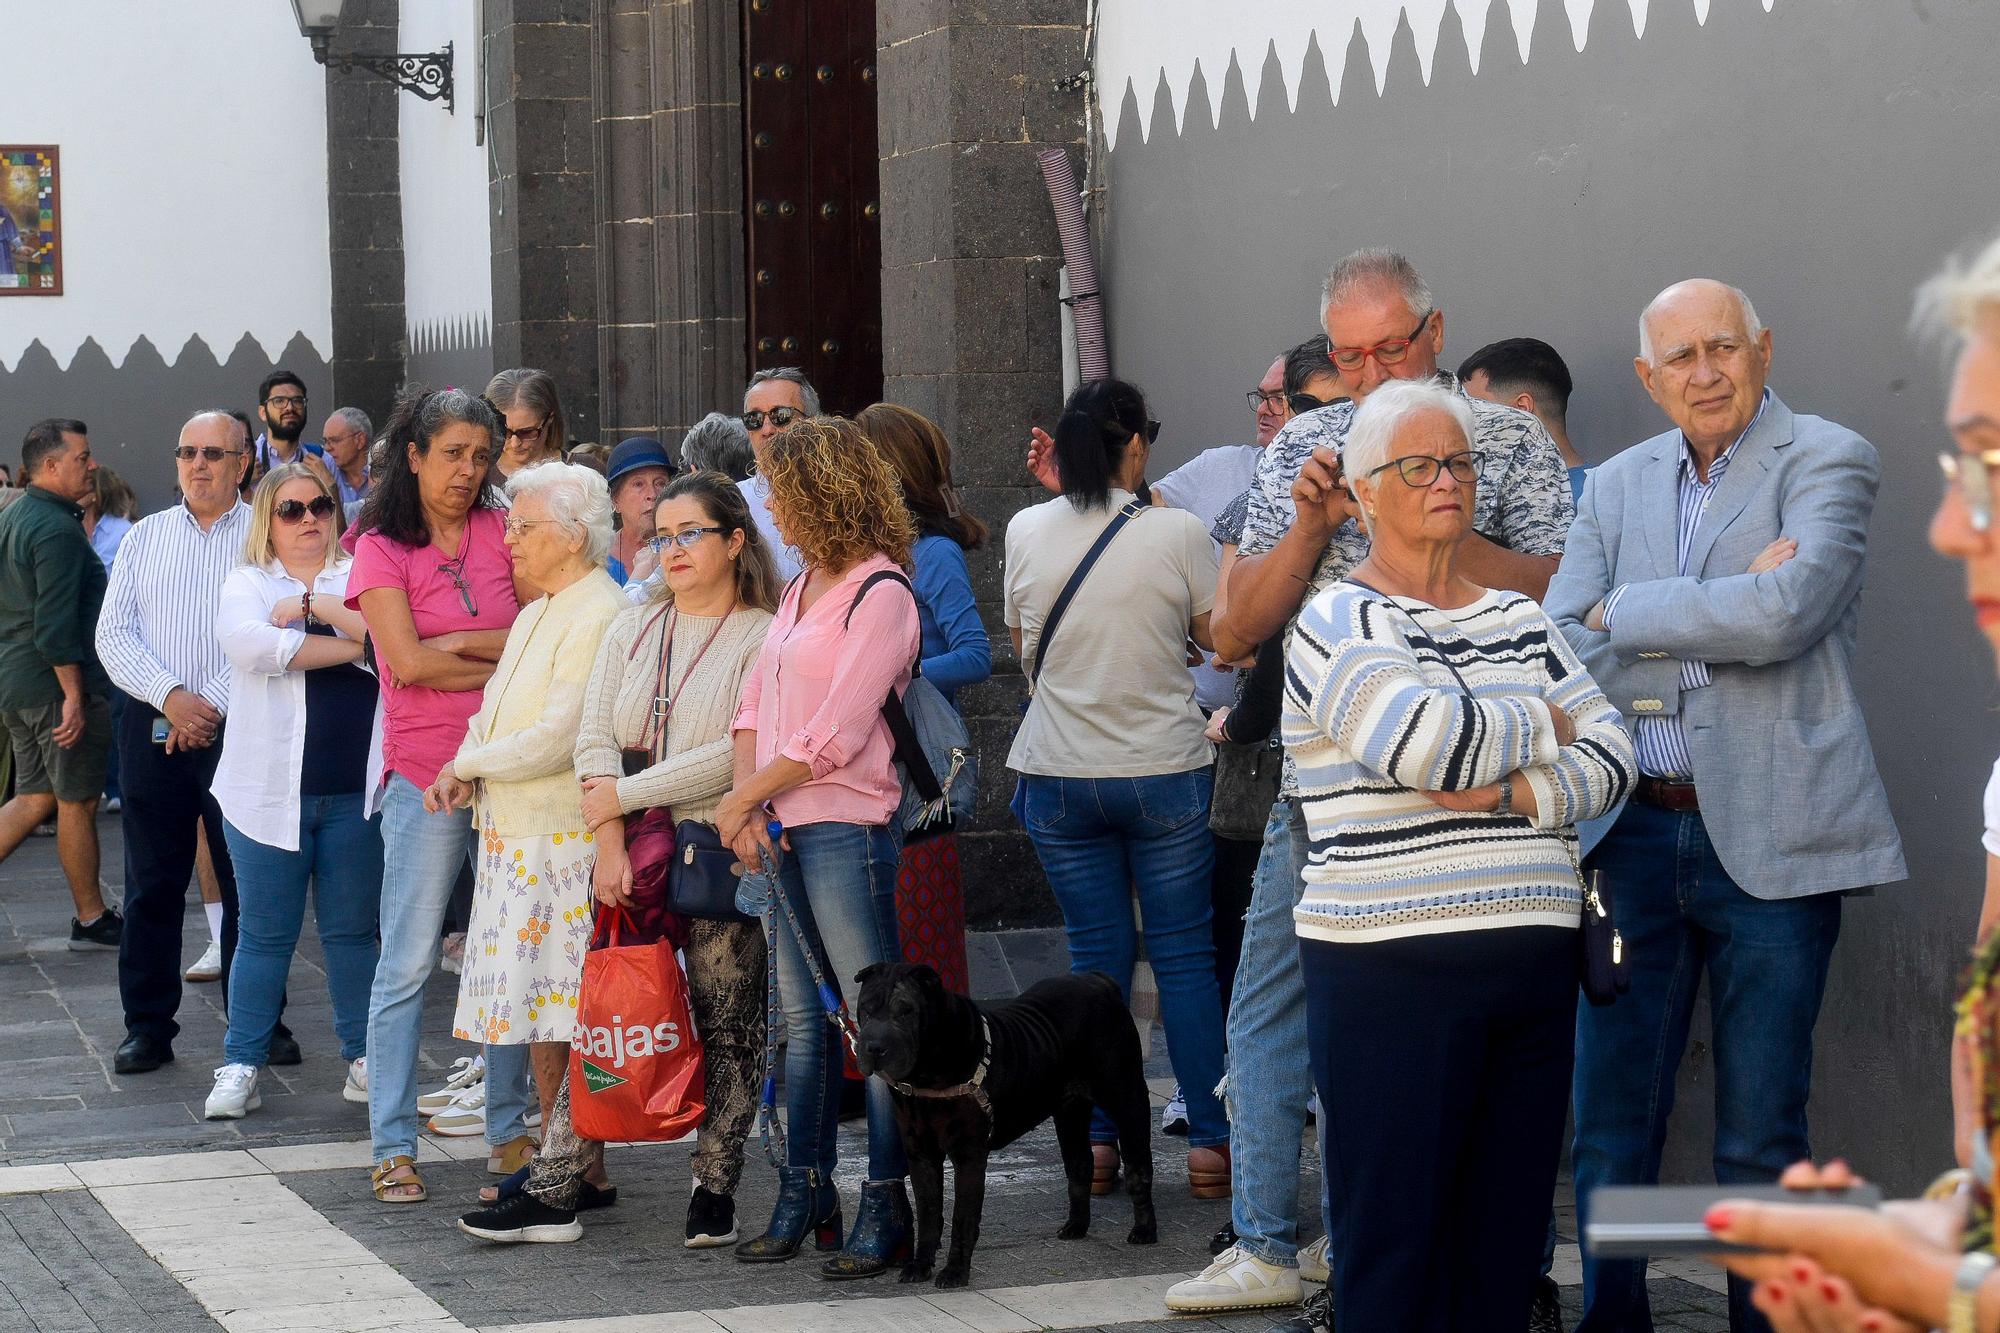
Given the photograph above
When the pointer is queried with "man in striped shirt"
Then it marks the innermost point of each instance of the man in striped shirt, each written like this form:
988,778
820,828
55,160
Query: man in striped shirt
156,638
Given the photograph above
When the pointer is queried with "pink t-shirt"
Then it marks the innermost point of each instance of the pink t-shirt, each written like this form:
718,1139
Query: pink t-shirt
422,727
816,696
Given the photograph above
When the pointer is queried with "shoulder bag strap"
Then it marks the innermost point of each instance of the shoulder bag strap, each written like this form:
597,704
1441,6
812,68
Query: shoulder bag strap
909,750
1126,513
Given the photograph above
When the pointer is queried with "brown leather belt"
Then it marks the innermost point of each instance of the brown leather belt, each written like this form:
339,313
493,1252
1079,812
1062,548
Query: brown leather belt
1667,794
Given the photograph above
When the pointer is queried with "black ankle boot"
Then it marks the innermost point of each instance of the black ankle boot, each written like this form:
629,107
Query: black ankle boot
805,1203
881,1236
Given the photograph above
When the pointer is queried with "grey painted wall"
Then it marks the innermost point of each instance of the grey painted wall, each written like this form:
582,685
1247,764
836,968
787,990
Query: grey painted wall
1822,156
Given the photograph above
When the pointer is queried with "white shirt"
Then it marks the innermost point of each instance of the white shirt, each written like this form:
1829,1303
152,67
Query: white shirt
156,632
263,748
1990,839
757,494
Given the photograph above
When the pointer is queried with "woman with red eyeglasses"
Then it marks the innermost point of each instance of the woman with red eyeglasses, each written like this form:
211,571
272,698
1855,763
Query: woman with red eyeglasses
292,778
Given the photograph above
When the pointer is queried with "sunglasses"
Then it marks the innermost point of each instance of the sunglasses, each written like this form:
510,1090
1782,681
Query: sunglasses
685,539
292,511
525,434
187,453
780,417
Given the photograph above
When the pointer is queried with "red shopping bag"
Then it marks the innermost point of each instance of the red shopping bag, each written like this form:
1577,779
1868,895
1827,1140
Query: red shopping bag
635,1066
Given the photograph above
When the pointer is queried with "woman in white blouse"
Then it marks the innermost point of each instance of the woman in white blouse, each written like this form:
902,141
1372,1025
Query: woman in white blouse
292,776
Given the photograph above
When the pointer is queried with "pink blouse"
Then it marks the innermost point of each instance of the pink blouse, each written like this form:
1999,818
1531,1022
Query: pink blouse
816,696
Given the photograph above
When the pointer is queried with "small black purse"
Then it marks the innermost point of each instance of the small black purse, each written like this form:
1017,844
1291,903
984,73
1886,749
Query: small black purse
701,882
1606,969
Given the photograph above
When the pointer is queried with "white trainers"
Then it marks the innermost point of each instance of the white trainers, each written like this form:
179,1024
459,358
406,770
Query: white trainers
1174,1117
356,1087
1237,1280
208,967
235,1093
465,1071
465,1116
1312,1262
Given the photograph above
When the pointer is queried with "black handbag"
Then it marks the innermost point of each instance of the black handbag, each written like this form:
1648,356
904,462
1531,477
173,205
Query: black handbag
1605,967
702,880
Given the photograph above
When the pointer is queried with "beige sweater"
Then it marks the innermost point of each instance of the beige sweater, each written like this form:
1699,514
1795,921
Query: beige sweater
698,766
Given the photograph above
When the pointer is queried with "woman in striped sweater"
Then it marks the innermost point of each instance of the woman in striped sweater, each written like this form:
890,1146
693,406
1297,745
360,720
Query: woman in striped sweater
1446,741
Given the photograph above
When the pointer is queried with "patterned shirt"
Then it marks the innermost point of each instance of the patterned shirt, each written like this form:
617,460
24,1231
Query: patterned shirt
1522,500
1663,746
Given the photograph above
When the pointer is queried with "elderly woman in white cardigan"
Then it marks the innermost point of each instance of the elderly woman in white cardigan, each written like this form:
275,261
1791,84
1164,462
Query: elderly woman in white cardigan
530,919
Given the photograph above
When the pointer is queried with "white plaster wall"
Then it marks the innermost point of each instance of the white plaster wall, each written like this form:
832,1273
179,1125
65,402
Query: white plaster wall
1141,42
447,235
193,139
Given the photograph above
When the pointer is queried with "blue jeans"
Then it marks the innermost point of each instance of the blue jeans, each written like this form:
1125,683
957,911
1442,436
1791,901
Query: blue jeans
421,854
1766,961
340,854
1267,1039
1100,838
840,880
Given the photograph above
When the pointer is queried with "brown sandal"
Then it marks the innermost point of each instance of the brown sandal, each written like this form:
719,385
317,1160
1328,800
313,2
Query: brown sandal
379,1180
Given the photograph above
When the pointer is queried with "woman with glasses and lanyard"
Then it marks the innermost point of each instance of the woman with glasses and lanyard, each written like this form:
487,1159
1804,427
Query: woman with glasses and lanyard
292,779
433,579
533,429
1115,771
655,735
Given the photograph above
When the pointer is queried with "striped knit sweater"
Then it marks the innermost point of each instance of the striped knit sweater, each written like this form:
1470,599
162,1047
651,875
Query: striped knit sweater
1376,716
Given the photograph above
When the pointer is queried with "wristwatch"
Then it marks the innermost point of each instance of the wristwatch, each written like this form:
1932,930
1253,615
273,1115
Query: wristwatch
1962,1312
1506,806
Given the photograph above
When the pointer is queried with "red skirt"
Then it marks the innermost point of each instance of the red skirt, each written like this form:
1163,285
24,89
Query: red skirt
930,909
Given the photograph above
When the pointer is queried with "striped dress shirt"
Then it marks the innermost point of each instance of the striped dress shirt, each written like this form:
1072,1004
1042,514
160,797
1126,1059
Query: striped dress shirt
1662,741
157,630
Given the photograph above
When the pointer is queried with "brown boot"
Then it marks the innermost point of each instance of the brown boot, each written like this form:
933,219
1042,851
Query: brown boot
1103,1168
1208,1172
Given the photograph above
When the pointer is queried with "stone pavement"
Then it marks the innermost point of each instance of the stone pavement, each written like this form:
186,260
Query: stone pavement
120,1208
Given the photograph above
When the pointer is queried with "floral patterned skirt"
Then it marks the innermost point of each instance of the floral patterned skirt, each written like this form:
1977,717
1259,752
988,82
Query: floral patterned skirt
525,944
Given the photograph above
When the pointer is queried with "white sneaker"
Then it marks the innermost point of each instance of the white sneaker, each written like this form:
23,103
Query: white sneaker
1312,1262
1174,1117
208,967
465,1071
533,1119
235,1093
356,1087
465,1116
1237,1280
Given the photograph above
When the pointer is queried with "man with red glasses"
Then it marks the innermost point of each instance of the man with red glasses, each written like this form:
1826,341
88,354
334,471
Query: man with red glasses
1299,536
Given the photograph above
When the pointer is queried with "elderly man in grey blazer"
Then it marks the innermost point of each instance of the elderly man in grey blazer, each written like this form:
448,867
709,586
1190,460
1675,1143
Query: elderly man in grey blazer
1712,585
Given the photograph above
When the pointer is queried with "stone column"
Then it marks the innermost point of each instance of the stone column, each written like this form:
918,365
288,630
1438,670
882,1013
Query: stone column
365,220
971,327
543,133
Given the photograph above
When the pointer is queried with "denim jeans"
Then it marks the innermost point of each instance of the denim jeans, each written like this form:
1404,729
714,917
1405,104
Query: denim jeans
421,854
340,855
1098,839
1269,1079
840,880
1766,962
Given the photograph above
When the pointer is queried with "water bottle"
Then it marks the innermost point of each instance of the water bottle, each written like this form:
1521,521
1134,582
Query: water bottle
754,887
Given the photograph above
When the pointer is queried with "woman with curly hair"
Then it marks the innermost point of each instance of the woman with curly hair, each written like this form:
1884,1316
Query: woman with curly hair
813,752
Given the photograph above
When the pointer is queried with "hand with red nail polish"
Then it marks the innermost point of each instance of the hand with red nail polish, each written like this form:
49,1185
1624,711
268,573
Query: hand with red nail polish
1831,1269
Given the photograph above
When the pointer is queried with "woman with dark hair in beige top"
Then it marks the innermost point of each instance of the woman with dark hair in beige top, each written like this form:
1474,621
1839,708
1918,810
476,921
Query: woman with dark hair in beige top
667,680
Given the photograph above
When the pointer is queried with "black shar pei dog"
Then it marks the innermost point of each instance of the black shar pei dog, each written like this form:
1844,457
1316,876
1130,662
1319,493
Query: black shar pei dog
968,1080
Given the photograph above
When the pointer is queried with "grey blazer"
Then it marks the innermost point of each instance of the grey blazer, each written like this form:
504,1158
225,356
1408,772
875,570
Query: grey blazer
1789,791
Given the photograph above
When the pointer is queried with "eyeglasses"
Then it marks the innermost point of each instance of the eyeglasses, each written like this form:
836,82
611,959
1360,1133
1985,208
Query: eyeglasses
1421,470
526,434
281,401
515,527
780,417
685,539
187,453
291,511
1973,475
455,571
1260,399
1390,353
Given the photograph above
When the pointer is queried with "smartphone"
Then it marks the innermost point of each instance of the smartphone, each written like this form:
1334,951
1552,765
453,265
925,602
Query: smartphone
161,727
1664,1221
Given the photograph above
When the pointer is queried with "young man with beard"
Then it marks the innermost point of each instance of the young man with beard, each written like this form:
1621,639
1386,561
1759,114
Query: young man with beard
281,406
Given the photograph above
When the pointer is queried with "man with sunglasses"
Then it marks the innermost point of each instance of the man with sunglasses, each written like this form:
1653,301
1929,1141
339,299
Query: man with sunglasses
774,399
156,638
1726,633
1300,536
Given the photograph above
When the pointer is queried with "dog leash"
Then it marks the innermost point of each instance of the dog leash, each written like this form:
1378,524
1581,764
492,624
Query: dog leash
974,1087
770,1131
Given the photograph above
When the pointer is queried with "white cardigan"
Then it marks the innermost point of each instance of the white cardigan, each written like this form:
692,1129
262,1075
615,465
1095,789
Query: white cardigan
263,746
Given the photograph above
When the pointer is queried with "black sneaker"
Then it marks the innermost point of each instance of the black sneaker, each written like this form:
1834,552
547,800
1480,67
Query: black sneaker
711,1220
522,1219
1546,1314
284,1049
1315,1316
103,933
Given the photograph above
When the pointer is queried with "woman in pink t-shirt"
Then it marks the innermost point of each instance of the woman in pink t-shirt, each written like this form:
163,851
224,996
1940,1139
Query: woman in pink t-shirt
812,749
433,579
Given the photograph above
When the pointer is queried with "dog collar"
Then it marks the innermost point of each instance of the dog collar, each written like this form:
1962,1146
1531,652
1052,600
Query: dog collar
974,1087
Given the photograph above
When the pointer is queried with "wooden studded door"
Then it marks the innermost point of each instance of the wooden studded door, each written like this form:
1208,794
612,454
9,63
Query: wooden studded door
814,265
